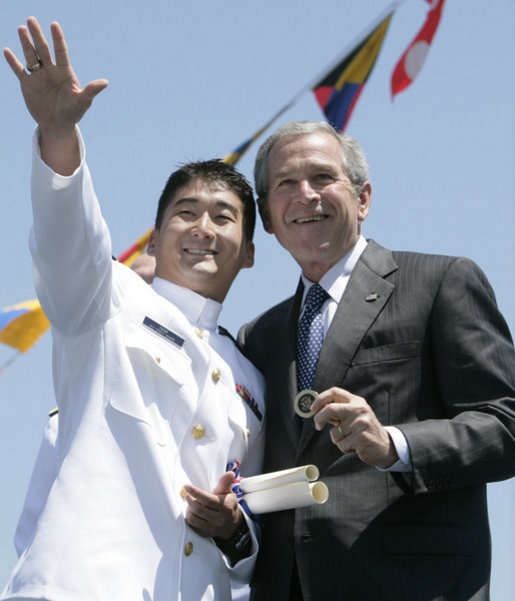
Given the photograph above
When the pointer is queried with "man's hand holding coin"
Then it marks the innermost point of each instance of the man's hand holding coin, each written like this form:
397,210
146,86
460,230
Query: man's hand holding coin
355,427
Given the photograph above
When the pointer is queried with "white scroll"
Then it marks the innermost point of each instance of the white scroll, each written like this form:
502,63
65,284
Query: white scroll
286,489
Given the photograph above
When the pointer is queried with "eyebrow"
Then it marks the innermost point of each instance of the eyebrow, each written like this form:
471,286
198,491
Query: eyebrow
220,204
314,165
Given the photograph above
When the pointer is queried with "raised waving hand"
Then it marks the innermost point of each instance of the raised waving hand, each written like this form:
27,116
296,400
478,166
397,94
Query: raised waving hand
52,93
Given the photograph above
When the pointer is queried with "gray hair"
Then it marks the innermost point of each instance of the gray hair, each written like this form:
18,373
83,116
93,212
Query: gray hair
353,157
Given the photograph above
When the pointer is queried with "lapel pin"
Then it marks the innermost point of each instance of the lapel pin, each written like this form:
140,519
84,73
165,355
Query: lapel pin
370,298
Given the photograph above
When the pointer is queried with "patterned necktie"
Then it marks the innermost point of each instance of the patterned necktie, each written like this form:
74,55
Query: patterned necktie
310,335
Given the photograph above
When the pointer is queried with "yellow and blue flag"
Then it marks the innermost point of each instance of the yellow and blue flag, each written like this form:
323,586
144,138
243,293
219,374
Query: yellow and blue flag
22,325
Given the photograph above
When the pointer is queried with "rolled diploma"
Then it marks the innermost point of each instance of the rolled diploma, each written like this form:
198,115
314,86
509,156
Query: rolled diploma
305,473
289,496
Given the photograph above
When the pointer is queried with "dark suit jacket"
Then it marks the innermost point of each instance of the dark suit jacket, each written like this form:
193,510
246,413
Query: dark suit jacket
433,356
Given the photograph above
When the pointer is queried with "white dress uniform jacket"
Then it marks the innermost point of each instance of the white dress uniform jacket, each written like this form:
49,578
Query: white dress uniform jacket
43,475
146,404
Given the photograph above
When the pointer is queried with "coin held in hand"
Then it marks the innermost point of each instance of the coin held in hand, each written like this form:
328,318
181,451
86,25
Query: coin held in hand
302,403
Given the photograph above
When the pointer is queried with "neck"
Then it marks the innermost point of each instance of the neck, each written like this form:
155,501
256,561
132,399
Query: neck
314,271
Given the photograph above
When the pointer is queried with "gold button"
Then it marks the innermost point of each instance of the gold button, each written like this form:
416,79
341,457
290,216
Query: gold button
158,359
215,375
199,332
183,493
188,549
248,433
198,431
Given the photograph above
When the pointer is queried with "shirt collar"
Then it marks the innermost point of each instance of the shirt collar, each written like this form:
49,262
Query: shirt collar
336,277
198,309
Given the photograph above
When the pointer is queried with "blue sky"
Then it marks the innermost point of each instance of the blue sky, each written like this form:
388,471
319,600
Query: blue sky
193,80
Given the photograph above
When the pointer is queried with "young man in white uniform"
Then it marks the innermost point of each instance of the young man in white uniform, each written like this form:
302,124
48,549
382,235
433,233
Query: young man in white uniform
153,401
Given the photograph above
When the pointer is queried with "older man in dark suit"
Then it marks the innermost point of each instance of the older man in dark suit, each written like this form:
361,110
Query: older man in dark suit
414,366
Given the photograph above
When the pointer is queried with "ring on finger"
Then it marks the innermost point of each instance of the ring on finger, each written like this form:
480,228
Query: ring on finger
34,66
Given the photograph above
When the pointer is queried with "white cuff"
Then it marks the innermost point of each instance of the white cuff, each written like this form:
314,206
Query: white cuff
401,446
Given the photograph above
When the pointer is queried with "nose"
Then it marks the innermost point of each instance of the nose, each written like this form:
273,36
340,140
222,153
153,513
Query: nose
307,193
204,226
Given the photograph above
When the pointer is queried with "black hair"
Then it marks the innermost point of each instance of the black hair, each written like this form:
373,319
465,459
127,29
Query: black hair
212,171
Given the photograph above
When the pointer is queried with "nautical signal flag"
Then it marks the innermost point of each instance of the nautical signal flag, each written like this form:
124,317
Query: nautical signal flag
133,252
414,56
22,324
339,90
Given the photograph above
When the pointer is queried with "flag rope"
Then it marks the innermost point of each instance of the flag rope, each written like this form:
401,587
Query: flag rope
234,156
9,362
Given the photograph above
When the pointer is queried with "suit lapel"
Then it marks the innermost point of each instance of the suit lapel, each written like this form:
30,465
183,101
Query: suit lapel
364,298
286,380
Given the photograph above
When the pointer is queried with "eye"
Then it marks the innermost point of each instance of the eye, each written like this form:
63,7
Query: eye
186,213
225,217
323,178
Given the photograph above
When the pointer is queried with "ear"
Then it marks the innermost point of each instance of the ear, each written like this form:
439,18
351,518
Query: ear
364,201
249,256
265,215
151,245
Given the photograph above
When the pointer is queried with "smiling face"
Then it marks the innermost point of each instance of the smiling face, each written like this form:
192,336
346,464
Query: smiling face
201,243
312,207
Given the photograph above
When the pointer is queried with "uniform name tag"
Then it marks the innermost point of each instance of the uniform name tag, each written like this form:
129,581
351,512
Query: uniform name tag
162,331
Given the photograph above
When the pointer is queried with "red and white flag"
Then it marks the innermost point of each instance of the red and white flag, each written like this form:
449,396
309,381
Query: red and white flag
414,56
